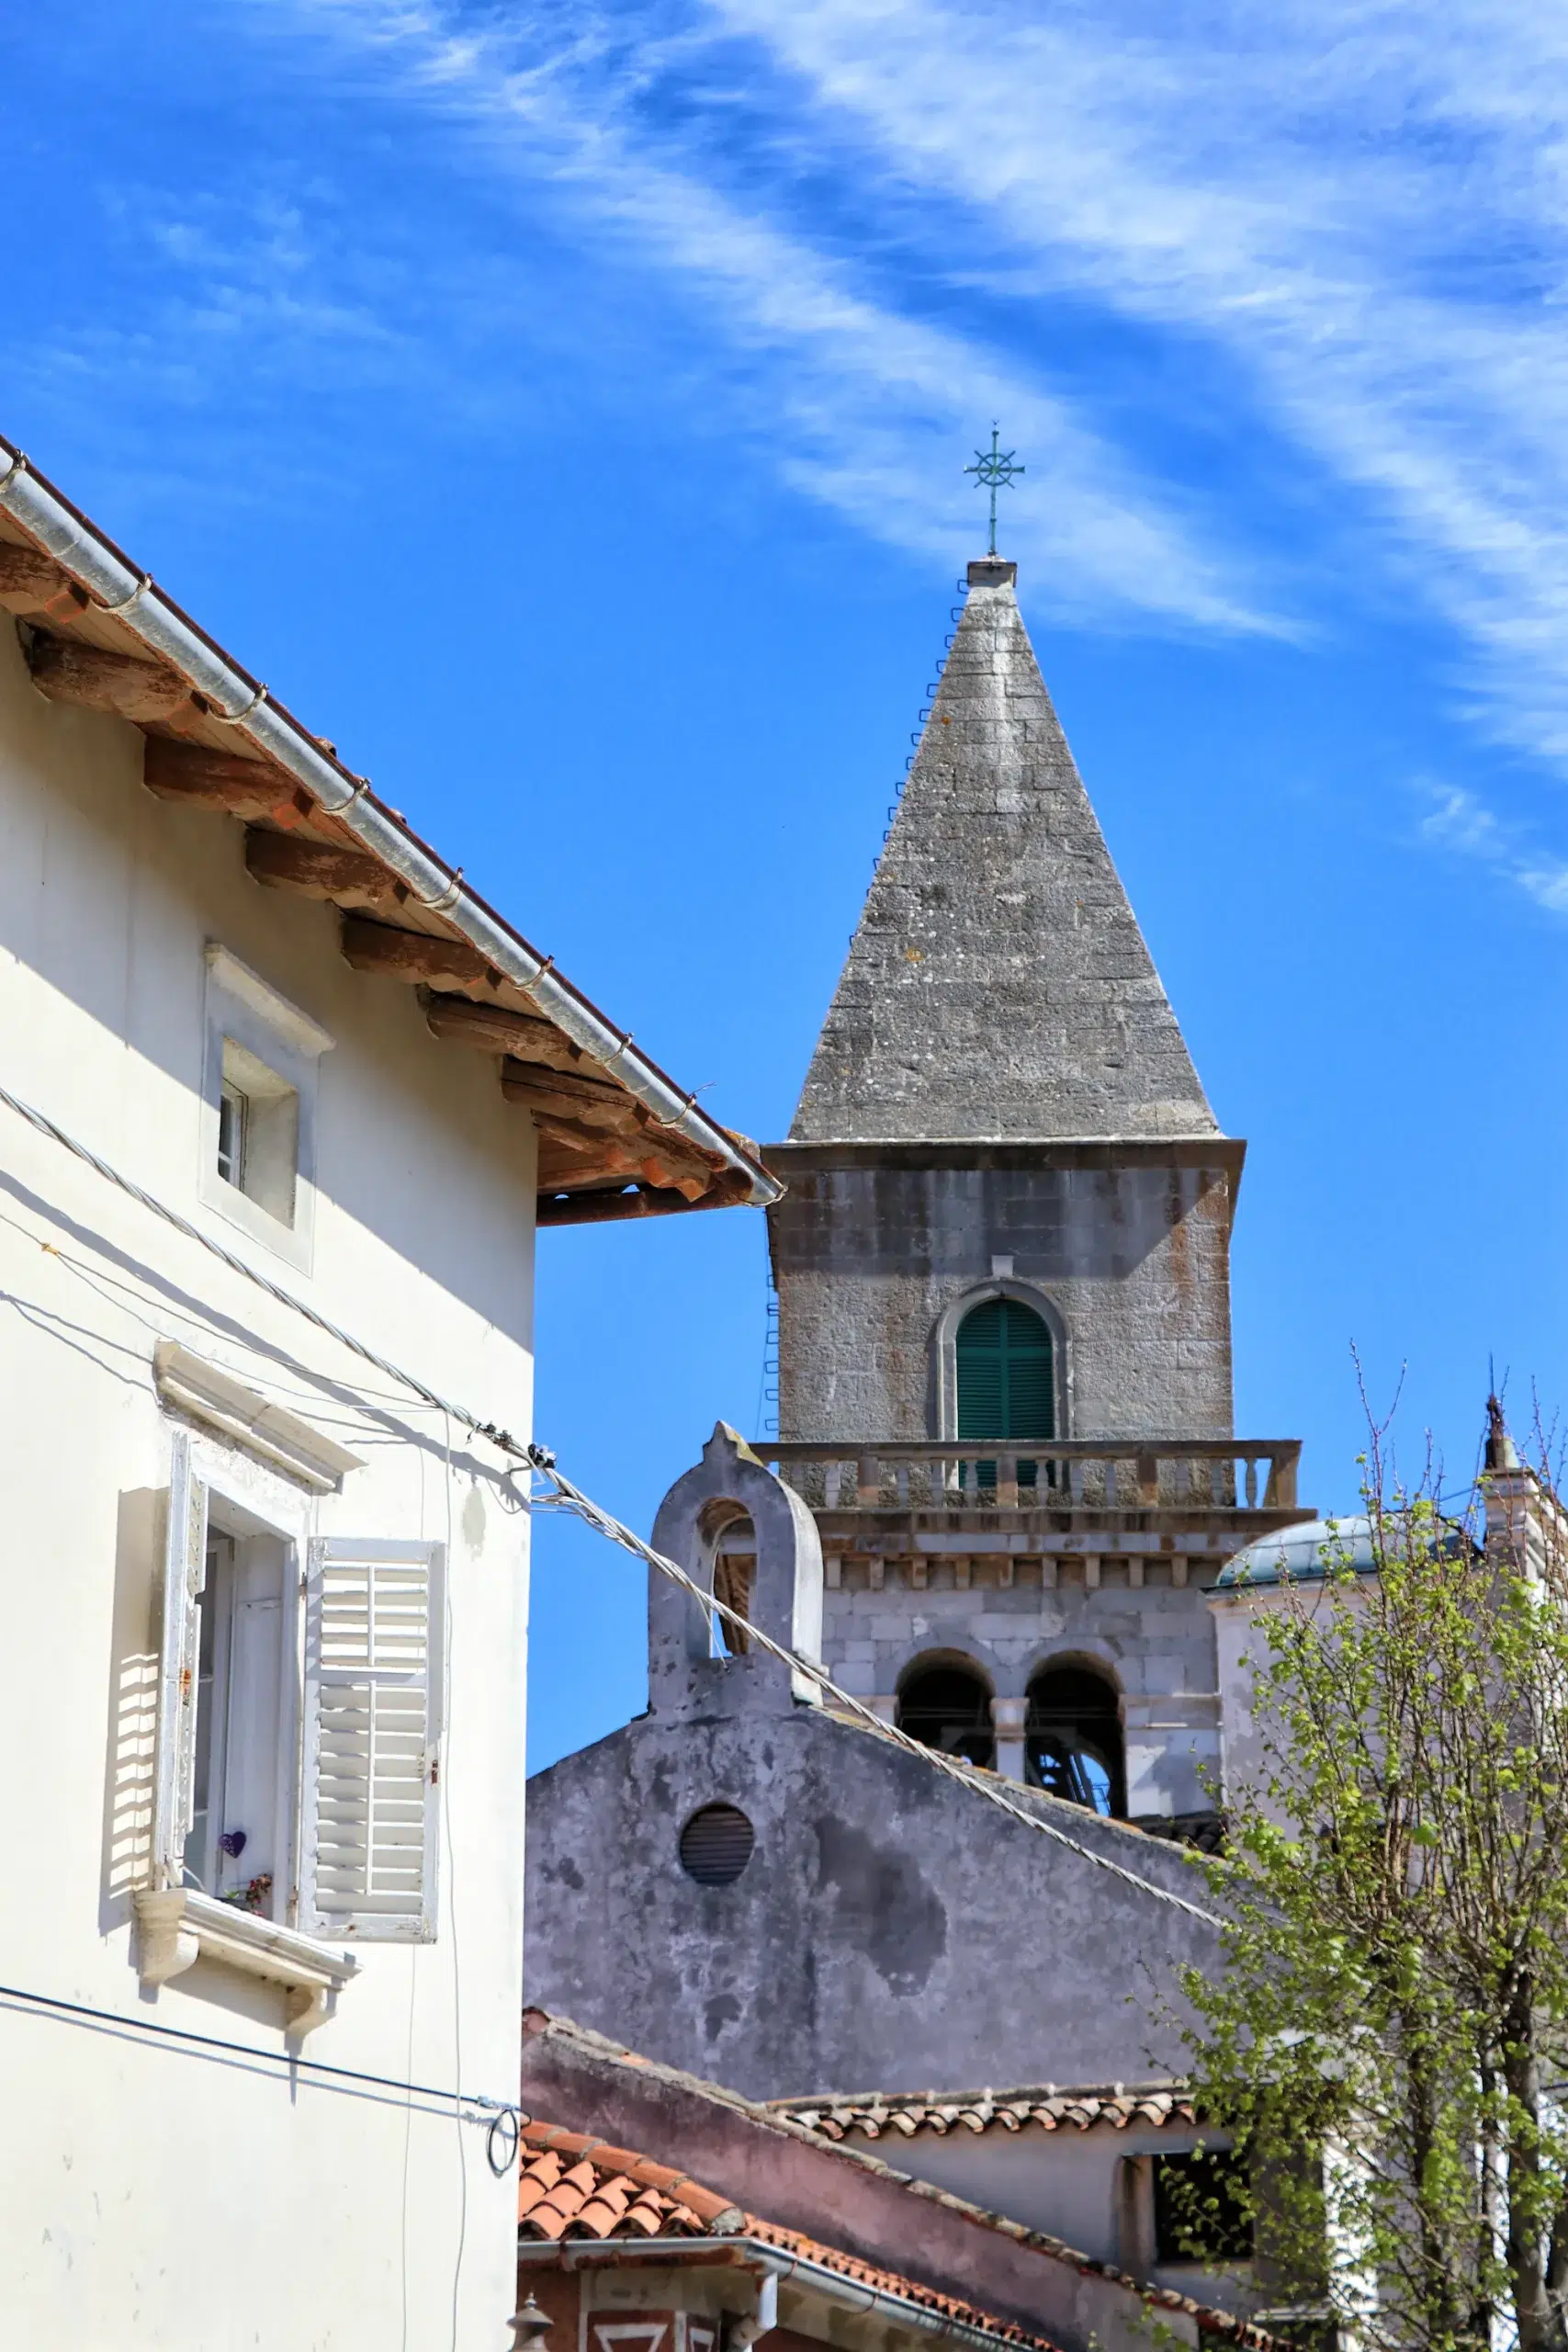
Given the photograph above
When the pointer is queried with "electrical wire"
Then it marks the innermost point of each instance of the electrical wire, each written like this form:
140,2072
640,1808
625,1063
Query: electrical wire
489,2111
583,1507
541,1463
46,1126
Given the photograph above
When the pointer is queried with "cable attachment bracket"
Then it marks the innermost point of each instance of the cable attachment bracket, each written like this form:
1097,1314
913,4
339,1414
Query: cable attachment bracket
144,582
233,717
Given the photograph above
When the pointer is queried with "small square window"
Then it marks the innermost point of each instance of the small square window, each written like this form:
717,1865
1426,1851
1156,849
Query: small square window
258,1132
260,1082
1201,2208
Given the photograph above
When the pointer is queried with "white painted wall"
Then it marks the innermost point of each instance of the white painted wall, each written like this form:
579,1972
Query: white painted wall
152,2194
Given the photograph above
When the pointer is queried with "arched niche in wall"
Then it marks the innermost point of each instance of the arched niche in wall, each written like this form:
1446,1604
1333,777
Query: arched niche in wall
1021,1331
944,1702
1073,1743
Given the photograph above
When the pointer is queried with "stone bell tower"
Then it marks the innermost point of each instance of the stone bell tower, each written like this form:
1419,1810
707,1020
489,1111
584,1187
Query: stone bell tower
1007,1219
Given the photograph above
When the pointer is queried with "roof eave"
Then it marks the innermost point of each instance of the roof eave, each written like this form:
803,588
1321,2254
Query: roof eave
104,571
788,2267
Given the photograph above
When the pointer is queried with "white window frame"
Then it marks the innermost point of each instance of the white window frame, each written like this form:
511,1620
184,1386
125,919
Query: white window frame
241,1006
185,1574
251,1747
251,1500
242,1495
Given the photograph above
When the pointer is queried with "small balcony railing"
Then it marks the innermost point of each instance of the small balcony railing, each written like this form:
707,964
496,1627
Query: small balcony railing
1066,1474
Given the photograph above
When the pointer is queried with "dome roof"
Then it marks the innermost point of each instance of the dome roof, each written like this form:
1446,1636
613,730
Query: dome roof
1317,1548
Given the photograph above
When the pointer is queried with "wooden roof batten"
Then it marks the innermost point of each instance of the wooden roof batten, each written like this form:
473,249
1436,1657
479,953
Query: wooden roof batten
617,1138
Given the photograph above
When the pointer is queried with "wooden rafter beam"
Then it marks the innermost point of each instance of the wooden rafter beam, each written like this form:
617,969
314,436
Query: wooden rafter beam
31,582
604,1207
322,870
655,1158
597,1102
496,1029
603,1146
560,1172
190,775
415,956
67,671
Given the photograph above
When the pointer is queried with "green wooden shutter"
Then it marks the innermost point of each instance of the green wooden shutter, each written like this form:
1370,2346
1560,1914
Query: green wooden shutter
1007,1385
982,1395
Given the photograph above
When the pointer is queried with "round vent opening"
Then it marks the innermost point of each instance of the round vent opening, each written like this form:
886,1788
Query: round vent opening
716,1845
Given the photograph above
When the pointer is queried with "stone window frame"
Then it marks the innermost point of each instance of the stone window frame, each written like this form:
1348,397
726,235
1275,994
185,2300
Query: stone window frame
944,1349
246,1010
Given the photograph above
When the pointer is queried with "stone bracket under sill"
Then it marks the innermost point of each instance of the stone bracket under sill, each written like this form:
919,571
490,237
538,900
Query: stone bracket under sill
177,1926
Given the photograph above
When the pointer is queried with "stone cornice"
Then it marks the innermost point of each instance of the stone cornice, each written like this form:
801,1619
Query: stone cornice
1226,1153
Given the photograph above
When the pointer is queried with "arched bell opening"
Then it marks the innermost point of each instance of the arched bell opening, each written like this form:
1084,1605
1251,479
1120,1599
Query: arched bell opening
1073,1746
730,1537
947,1704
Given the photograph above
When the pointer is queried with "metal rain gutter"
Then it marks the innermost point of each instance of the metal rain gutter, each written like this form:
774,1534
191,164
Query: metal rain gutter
853,2294
241,702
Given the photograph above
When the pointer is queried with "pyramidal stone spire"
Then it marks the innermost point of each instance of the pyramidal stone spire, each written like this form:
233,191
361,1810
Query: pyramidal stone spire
998,985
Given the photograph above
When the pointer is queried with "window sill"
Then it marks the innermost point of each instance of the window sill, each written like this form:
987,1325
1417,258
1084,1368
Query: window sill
178,1926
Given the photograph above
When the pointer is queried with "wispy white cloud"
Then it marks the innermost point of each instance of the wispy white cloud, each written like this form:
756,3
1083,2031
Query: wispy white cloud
1366,207
1460,823
1336,229
870,406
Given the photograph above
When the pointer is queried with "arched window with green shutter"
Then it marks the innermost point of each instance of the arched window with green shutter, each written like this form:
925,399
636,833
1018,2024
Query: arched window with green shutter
1007,1379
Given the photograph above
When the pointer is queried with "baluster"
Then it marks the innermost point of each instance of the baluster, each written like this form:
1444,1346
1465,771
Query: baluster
868,1481
901,1475
1111,1485
1251,1484
1007,1481
1074,1480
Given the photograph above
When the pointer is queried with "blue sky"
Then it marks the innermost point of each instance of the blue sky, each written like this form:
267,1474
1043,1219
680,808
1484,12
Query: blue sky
566,408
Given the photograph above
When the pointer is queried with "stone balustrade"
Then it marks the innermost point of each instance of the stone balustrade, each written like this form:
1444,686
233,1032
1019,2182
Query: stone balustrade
1078,1475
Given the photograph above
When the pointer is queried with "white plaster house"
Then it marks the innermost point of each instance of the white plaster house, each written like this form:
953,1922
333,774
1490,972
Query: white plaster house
266,1604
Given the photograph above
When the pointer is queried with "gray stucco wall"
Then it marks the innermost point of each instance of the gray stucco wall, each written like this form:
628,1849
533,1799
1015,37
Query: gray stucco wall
1132,1260
891,1930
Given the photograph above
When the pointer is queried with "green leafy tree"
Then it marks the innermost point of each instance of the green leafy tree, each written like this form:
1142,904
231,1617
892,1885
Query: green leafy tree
1386,2040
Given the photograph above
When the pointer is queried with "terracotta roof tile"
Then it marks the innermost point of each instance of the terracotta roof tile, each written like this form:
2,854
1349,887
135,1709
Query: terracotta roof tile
570,2185
1166,2102
1105,2105
611,2193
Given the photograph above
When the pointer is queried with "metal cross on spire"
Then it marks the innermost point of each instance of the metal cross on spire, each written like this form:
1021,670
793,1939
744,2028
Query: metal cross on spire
993,470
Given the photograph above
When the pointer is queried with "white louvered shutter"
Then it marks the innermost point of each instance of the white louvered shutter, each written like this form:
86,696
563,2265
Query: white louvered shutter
372,1722
185,1573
